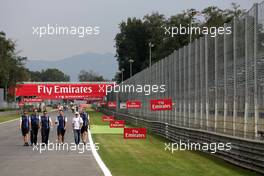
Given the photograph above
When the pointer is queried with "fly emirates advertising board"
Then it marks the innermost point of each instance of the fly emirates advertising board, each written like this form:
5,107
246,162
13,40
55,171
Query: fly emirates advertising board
64,90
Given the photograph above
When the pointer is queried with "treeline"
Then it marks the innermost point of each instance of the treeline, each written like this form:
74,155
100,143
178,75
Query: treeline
48,75
132,41
13,70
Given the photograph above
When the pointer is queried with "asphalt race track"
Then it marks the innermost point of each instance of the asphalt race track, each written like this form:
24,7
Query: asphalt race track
15,159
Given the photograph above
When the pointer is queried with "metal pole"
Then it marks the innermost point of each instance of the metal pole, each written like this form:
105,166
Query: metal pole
246,77
122,74
180,86
235,79
206,83
149,56
130,69
225,81
216,85
150,46
255,73
184,86
130,63
196,83
189,84
201,81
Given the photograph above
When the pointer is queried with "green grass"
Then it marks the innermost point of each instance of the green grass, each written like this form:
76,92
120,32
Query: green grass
4,118
96,118
148,157
104,129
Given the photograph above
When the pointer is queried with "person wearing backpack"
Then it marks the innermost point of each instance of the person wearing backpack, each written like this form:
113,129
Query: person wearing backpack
86,124
34,119
61,122
24,126
45,123
77,123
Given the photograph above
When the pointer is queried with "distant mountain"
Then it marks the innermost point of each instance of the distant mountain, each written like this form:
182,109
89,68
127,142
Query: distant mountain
103,64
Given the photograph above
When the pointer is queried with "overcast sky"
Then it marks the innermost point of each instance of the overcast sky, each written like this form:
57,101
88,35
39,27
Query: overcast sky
17,17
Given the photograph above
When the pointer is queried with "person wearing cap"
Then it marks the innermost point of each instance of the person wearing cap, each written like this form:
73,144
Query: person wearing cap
45,124
77,123
24,126
61,121
86,124
34,123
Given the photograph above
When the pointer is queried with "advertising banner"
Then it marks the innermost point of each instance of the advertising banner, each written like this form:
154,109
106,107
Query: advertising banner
62,90
133,104
106,118
32,100
161,105
111,104
117,124
135,133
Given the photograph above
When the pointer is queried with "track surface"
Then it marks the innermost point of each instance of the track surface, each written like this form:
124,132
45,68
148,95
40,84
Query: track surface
15,159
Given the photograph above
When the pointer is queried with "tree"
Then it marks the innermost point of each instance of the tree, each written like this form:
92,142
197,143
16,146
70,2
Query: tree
132,40
132,43
89,76
49,75
12,67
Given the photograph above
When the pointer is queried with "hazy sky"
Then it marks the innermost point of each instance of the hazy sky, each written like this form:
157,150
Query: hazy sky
17,17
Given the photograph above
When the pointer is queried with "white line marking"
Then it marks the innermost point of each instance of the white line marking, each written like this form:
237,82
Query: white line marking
105,170
9,121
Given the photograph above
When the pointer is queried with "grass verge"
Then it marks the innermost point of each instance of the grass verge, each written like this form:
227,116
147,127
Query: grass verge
148,157
4,118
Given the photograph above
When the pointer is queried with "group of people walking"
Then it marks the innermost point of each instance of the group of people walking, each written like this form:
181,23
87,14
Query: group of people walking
31,124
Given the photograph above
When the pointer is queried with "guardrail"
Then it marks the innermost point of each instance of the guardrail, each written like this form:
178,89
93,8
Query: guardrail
245,152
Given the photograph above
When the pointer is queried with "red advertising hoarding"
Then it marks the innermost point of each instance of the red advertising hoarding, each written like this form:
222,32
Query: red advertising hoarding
63,90
117,124
32,100
133,104
135,133
111,104
21,103
106,118
161,104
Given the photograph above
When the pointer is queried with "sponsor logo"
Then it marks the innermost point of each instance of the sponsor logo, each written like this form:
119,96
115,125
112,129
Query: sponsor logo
133,104
161,104
117,124
135,133
106,118
32,100
112,104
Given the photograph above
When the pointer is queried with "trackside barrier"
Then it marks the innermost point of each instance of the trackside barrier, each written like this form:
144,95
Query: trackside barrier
245,153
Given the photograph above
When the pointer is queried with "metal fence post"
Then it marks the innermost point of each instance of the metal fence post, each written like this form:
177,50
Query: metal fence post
255,73
196,83
246,77
225,82
235,78
201,82
189,84
216,83
180,86
206,83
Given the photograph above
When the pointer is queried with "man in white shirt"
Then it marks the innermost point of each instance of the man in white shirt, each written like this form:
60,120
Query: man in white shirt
77,123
